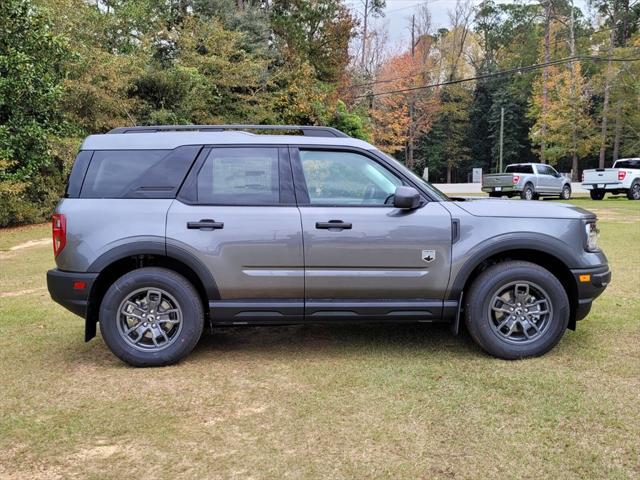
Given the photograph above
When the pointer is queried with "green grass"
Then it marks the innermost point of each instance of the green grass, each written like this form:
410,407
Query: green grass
321,402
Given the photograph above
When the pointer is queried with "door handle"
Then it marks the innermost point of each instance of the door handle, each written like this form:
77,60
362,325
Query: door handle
338,224
205,224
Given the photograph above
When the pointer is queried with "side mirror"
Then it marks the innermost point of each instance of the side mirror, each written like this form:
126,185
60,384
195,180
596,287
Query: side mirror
406,198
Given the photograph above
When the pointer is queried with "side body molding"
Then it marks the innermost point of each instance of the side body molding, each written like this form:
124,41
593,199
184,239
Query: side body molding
466,263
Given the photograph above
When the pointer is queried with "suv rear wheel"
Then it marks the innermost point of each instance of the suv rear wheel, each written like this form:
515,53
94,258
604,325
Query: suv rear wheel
566,193
516,309
151,317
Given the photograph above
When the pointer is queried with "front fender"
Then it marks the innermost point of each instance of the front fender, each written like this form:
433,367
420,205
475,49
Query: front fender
466,262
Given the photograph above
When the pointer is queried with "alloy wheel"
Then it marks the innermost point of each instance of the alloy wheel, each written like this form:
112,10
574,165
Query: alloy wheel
520,312
149,319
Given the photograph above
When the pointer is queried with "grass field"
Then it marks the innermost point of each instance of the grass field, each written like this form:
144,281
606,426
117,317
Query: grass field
320,402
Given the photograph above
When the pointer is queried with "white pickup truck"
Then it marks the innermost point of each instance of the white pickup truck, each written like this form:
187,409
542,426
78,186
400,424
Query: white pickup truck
624,178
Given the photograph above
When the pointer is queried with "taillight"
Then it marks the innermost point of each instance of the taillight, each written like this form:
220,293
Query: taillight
516,179
59,232
621,175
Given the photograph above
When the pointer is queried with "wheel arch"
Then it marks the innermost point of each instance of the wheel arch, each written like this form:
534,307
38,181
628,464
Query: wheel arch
534,249
125,258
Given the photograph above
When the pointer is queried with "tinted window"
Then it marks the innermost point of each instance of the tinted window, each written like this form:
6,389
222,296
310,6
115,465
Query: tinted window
631,163
239,176
545,170
346,178
78,171
519,169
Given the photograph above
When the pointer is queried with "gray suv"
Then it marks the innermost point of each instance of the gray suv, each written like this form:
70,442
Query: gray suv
164,230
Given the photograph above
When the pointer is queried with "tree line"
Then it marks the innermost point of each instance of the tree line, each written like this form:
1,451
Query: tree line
69,68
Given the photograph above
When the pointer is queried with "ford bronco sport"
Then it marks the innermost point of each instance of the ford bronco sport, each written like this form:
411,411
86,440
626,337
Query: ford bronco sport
163,230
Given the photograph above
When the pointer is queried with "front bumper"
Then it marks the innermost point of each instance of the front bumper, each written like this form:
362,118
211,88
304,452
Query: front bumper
71,290
591,282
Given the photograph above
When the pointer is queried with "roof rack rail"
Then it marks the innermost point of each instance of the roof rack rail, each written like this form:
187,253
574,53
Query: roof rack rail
309,131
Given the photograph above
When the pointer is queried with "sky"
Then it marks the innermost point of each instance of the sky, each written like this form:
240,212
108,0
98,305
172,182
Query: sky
398,15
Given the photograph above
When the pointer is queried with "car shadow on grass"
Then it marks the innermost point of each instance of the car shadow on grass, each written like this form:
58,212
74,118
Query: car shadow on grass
329,340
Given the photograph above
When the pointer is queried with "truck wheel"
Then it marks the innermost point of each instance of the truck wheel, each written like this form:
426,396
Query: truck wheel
566,193
634,191
516,309
527,193
151,317
596,194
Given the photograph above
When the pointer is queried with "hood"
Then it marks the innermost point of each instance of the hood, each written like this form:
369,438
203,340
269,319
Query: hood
493,207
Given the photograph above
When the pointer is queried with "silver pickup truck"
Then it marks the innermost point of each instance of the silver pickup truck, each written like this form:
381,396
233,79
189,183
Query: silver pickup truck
529,180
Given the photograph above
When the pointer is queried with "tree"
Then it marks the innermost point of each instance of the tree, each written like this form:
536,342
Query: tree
317,32
570,129
401,112
31,75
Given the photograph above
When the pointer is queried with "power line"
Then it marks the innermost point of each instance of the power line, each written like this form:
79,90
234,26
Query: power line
375,82
510,71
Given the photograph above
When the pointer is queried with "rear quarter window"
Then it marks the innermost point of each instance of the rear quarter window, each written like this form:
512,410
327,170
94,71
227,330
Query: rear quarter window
137,173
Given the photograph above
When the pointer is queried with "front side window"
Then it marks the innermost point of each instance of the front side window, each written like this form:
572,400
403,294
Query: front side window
239,176
346,178
545,170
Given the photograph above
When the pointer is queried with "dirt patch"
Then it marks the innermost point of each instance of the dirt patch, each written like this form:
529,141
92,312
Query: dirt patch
31,243
18,293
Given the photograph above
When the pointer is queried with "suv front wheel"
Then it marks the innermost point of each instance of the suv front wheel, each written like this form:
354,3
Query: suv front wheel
151,317
516,309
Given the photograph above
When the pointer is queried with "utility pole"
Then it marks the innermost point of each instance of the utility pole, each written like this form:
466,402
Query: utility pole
409,159
501,136
364,34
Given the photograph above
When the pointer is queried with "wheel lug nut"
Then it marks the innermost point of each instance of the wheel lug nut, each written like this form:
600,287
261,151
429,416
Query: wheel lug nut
144,324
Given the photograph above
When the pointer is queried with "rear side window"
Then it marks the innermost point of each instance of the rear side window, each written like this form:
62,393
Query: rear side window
137,173
239,176
631,163
519,169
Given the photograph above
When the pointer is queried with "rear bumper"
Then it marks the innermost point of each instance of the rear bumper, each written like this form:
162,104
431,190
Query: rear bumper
591,282
71,290
604,186
502,189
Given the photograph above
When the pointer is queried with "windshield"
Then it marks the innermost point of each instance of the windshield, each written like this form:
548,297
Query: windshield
428,186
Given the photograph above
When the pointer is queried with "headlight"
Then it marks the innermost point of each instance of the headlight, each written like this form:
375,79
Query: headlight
592,236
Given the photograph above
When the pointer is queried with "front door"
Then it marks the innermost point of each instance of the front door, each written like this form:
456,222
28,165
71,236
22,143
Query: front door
236,214
549,181
365,259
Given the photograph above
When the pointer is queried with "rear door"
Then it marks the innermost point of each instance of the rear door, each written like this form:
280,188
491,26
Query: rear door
365,259
236,213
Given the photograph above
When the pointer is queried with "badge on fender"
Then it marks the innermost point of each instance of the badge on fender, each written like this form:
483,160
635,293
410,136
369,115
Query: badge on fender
428,255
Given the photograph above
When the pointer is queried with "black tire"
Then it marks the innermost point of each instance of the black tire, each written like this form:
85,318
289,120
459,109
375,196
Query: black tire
596,194
177,289
527,192
566,192
481,321
634,191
